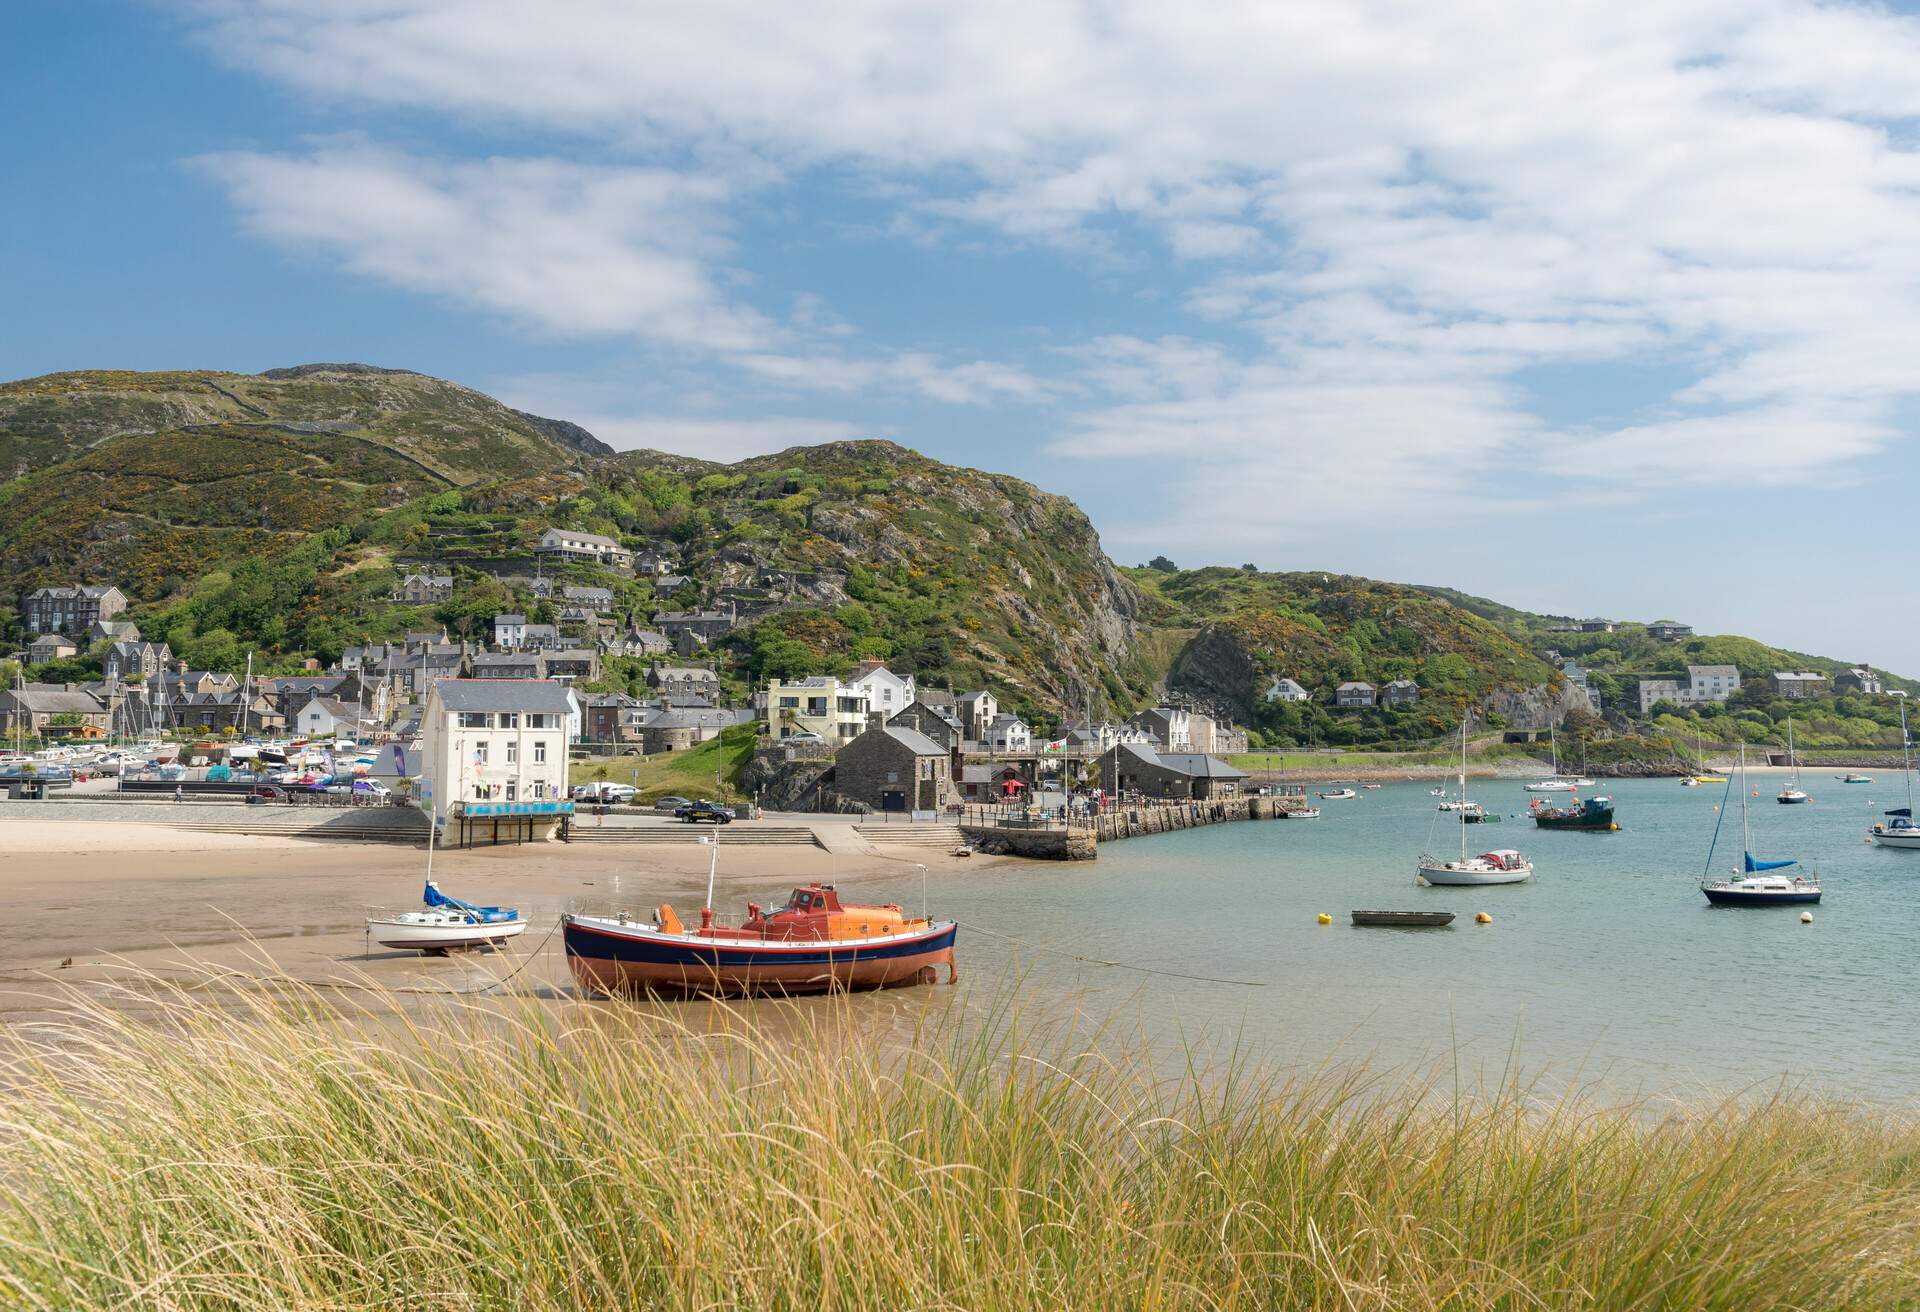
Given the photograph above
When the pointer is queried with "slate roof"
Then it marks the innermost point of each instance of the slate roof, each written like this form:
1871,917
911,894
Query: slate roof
503,695
912,739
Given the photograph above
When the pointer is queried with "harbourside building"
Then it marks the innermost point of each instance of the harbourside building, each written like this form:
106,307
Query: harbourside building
494,759
894,768
1128,770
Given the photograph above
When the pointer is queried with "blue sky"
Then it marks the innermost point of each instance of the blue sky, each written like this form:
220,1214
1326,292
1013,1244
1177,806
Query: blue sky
1586,310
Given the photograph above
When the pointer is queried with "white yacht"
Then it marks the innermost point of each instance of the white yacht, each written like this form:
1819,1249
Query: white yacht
1792,794
1504,866
1899,830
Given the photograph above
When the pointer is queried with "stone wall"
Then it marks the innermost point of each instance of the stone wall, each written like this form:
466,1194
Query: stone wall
1049,844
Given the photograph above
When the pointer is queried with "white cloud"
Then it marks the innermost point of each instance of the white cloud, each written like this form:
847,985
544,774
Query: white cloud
573,250
1382,211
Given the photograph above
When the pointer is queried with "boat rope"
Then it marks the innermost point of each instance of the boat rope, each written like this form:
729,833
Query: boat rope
526,961
976,928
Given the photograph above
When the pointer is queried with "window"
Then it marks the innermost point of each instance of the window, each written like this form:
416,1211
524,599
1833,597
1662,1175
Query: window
480,753
512,790
473,719
513,752
539,753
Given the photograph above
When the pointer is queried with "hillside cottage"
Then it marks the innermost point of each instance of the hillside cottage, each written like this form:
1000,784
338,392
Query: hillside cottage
677,682
1712,683
936,722
597,600
423,589
884,690
1860,679
571,544
1655,691
50,647
1286,690
1668,631
1401,692
1353,694
1799,685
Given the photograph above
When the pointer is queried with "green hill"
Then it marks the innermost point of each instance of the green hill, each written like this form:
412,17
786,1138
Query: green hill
276,511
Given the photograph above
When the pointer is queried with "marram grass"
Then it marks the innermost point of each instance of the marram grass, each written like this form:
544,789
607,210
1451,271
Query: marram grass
269,1151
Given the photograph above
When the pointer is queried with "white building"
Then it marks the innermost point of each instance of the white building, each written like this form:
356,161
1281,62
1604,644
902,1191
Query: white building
886,692
1712,683
820,705
571,544
325,717
1286,690
509,630
1009,733
494,758
1655,691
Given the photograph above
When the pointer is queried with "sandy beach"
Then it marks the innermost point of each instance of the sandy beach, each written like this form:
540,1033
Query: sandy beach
86,903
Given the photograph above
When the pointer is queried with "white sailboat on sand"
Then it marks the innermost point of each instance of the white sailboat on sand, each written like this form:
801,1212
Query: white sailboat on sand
1899,830
1504,866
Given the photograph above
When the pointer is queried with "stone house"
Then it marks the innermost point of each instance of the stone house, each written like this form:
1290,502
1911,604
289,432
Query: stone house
597,600
1860,679
675,682
676,728
1128,768
604,716
575,663
1355,693
37,710
112,631
894,768
507,665
1400,692
71,610
703,625
1655,691
936,722
423,589
132,661
1798,685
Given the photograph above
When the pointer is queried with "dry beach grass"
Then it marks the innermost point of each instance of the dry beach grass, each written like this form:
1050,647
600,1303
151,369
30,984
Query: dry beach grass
282,1148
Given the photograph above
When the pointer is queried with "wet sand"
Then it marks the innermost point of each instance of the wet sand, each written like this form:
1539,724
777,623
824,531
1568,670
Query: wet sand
85,906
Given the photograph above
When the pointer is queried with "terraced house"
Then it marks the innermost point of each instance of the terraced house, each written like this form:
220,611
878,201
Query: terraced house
71,610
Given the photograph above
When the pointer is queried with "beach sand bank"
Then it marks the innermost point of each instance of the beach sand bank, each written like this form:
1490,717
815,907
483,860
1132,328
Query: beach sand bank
87,904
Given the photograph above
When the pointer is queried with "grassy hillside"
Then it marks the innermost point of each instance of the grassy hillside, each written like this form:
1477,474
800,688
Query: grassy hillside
450,431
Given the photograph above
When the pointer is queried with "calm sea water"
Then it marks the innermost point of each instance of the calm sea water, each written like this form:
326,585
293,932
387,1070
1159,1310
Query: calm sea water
1608,968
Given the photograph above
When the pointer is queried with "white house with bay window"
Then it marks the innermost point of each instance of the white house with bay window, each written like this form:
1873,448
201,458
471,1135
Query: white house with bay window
494,759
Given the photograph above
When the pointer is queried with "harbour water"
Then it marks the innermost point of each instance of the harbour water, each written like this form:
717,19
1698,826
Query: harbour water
1608,969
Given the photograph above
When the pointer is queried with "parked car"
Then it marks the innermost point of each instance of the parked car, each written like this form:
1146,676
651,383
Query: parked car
803,736
704,813
267,793
672,804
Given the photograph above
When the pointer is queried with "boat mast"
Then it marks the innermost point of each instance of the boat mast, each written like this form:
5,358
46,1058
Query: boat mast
1906,750
1793,762
1463,790
1746,829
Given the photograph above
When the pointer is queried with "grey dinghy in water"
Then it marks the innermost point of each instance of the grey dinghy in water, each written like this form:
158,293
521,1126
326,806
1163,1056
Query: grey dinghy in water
1404,919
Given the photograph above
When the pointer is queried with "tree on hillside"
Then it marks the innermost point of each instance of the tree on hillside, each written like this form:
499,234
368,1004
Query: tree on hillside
1164,565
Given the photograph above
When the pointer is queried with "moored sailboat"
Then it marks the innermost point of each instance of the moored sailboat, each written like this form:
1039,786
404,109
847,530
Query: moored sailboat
1899,830
1757,883
1504,866
1792,794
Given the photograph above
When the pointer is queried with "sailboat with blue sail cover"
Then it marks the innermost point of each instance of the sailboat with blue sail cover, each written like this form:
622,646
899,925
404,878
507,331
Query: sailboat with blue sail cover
1758,883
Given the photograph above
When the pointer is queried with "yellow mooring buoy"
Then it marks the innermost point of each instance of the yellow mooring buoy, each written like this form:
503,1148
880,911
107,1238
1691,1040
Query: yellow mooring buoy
1482,918
1325,919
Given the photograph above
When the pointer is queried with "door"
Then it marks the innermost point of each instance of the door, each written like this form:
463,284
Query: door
893,799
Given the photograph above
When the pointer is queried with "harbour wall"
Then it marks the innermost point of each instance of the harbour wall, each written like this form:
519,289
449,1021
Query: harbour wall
1081,840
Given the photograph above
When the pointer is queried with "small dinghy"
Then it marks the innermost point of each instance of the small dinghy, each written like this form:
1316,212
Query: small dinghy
446,924
1339,795
1404,919
1308,813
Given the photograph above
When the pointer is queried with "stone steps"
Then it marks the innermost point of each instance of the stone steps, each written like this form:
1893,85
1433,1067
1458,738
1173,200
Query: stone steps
946,837
755,835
